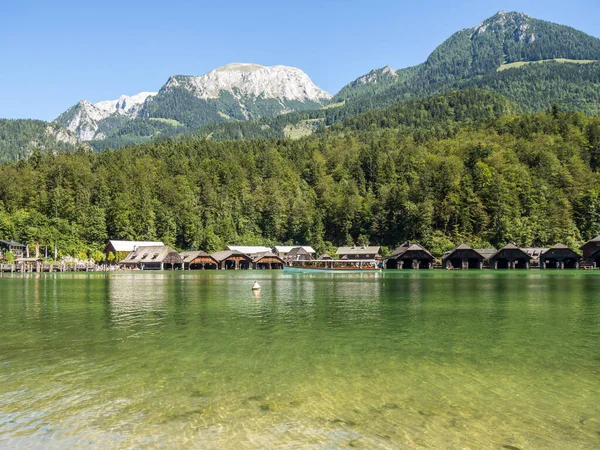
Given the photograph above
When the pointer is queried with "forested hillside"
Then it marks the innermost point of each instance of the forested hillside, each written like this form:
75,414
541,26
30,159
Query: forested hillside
19,138
447,178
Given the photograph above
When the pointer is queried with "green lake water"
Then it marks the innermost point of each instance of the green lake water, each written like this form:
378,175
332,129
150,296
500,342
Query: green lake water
397,360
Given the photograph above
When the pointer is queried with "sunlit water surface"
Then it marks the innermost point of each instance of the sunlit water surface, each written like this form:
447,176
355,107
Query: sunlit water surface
399,360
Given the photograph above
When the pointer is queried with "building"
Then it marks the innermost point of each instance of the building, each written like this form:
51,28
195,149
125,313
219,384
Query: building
463,257
16,248
510,257
560,257
359,252
233,260
158,257
410,256
591,252
122,248
198,260
267,260
283,250
297,254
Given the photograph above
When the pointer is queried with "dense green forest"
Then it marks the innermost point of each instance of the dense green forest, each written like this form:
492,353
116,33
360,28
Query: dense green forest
454,169
19,138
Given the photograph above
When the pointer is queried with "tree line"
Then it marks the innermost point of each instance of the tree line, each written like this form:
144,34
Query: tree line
487,180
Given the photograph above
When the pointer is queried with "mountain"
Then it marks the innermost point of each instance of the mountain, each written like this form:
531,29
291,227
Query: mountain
498,54
533,63
86,119
20,138
233,92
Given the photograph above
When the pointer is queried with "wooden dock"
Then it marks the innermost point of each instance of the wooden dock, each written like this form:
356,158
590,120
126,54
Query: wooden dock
46,267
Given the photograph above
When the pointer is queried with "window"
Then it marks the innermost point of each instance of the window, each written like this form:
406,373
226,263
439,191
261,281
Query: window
155,256
145,255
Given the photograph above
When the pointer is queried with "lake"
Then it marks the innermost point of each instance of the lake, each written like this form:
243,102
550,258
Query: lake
478,359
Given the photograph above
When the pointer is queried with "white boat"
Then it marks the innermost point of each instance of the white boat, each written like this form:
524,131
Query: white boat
334,265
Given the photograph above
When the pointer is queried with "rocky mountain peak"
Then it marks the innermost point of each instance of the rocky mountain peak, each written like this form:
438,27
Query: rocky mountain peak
377,75
251,80
503,21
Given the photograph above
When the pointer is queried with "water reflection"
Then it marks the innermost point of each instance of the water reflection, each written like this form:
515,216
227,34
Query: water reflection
139,298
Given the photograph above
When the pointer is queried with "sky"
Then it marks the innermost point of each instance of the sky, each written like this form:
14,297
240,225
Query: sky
53,54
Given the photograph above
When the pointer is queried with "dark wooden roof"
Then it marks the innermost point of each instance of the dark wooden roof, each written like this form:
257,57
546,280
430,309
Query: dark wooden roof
226,254
510,248
463,248
257,258
560,250
409,247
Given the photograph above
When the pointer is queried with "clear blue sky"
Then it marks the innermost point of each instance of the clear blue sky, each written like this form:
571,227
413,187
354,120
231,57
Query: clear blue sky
53,54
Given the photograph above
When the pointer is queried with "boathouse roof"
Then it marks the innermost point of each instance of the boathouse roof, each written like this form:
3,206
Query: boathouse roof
289,248
191,255
225,254
256,258
358,250
511,248
129,246
560,249
487,253
153,254
409,247
249,249
465,249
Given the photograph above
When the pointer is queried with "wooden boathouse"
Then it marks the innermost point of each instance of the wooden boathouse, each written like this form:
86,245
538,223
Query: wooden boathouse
560,257
591,252
198,260
232,260
120,249
297,254
153,258
463,257
267,260
510,257
410,256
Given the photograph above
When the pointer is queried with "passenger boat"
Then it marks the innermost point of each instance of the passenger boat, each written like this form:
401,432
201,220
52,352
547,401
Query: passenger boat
334,265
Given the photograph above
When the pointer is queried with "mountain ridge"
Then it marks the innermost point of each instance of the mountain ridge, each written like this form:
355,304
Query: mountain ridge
238,91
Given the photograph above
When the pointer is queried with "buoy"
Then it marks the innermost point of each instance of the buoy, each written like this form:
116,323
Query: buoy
256,286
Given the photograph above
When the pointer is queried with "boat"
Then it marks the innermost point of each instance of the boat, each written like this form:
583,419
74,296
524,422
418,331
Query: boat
334,265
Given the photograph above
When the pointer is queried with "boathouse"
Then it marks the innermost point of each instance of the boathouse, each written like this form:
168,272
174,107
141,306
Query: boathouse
158,257
463,257
232,260
325,257
359,252
591,252
123,248
284,250
297,254
16,248
510,257
198,260
410,256
267,260
560,257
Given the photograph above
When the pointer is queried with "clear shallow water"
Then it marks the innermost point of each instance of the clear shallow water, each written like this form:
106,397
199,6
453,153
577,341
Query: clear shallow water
400,360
